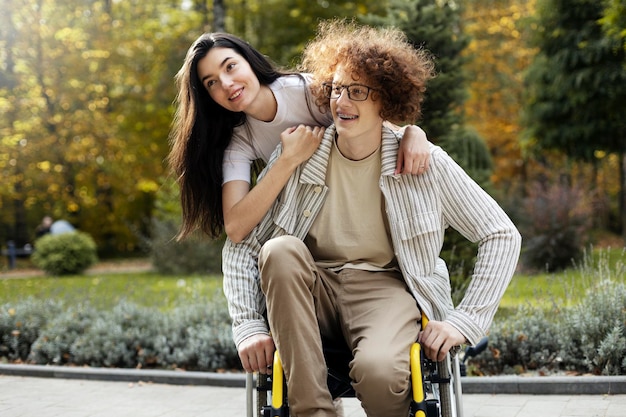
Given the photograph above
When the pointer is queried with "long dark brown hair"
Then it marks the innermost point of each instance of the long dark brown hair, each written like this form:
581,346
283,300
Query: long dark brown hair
201,131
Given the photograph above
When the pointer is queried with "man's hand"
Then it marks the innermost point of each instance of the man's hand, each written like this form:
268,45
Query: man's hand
257,353
437,338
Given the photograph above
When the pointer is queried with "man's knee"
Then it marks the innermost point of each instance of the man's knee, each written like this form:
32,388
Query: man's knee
376,374
277,255
279,249
278,245
380,367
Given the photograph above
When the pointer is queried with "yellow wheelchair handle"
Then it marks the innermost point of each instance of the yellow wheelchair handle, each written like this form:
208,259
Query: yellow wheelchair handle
416,374
277,382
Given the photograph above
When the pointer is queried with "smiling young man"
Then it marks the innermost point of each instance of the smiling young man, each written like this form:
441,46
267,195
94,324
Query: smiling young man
350,250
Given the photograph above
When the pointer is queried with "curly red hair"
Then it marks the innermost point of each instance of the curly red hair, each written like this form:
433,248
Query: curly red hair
381,58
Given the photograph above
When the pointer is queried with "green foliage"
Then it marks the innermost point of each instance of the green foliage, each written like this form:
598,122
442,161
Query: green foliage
587,337
593,333
293,22
614,20
436,26
86,141
20,324
525,341
196,254
198,345
470,151
565,288
65,253
194,336
577,83
124,337
193,332
52,346
193,255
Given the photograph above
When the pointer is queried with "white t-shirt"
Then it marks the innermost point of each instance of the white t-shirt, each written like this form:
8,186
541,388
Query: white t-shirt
257,139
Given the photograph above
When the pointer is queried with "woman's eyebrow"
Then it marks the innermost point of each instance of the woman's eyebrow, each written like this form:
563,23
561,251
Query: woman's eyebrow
221,66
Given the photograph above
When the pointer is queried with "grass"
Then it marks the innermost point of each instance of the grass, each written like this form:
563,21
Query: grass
566,288
164,292
106,290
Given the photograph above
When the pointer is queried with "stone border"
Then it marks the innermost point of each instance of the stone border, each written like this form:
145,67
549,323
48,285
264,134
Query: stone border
127,375
539,385
545,385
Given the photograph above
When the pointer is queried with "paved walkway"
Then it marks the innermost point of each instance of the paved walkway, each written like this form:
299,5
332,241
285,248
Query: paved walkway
57,397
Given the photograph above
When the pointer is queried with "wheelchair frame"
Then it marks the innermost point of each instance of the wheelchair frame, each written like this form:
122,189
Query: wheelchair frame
436,388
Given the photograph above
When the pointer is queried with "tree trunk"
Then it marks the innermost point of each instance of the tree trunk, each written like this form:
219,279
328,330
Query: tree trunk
21,233
622,194
219,15
201,7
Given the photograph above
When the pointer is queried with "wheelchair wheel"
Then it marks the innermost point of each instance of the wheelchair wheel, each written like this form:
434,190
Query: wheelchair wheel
446,391
449,387
264,384
434,387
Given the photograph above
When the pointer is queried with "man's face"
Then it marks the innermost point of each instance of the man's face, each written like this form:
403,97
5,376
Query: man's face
353,118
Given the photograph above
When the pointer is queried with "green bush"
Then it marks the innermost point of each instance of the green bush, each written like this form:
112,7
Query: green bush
587,338
53,345
192,255
523,342
197,254
593,333
195,336
124,337
20,325
65,254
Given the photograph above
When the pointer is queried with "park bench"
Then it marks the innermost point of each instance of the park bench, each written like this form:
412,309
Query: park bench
12,252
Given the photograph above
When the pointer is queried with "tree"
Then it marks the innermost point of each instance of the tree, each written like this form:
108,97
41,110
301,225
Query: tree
281,28
498,55
577,85
614,19
86,109
12,186
435,25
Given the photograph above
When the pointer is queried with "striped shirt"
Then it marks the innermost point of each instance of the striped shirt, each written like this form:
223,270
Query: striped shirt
419,209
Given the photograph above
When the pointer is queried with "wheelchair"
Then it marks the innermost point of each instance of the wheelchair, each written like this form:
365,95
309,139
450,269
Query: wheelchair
436,386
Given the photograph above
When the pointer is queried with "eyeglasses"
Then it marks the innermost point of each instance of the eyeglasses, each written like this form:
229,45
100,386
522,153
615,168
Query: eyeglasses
356,92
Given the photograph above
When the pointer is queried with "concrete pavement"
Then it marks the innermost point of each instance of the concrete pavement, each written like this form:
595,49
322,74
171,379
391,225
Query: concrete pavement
74,395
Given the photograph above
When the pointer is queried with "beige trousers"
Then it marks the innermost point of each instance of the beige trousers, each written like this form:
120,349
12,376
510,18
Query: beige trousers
372,311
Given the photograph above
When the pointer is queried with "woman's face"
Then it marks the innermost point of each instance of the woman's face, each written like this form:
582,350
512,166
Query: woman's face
229,79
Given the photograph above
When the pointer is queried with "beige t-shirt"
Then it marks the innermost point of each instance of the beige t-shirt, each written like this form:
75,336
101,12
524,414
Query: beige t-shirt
351,229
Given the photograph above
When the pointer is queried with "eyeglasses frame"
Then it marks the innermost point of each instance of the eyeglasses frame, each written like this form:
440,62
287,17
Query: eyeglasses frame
329,88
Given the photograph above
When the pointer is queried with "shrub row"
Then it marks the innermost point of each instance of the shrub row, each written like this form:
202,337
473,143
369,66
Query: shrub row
192,337
586,338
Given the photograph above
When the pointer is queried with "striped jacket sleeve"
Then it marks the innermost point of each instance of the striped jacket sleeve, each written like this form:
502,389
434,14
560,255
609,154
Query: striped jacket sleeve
241,285
476,215
246,303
